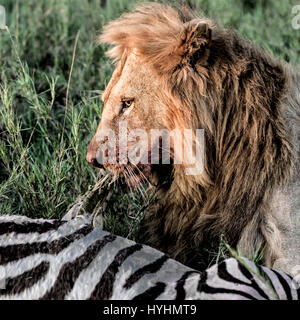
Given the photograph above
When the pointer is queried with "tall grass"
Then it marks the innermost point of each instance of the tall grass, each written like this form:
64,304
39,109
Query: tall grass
48,114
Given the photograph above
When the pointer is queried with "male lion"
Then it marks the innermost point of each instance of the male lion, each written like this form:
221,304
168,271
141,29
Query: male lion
175,71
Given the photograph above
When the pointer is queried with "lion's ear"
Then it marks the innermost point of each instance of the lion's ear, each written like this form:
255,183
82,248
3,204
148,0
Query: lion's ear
195,42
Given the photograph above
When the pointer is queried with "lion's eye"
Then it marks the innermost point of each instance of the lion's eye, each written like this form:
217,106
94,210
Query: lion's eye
126,104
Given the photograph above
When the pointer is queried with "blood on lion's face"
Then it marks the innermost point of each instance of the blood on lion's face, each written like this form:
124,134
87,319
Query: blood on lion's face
133,110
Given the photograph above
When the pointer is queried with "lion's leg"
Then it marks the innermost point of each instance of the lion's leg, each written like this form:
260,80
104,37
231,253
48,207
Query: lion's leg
286,208
261,235
273,240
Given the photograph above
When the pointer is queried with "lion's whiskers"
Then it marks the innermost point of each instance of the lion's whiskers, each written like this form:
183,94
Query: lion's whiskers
127,176
136,179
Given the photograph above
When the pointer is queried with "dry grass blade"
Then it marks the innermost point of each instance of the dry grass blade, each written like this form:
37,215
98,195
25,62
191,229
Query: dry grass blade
94,201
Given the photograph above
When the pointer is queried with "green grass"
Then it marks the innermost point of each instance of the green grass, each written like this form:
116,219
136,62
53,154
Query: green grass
44,135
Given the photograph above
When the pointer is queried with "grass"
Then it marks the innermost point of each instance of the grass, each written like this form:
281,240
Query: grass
51,76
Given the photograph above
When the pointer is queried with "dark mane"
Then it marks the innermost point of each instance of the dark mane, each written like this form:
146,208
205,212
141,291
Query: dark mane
235,92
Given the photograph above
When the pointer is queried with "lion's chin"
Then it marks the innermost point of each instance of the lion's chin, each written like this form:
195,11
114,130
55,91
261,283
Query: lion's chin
133,176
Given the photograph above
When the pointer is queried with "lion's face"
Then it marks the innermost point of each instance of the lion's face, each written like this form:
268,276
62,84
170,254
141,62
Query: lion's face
132,104
151,89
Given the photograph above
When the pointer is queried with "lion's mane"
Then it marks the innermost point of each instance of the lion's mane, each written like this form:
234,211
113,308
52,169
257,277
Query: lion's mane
215,80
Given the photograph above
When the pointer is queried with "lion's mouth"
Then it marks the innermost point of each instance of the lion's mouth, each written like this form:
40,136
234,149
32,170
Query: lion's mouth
133,175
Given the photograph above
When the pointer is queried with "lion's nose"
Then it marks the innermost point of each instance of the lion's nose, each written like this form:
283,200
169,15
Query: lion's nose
95,160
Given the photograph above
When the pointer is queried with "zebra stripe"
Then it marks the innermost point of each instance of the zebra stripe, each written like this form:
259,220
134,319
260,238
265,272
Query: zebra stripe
29,227
280,285
180,289
71,260
70,253
220,280
92,275
151,293
66,229
220,292
284,284
19,251
103,289
25,280
149,268
70,270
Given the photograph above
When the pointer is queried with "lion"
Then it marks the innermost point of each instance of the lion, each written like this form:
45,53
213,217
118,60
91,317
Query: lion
175,70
